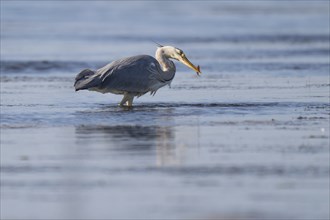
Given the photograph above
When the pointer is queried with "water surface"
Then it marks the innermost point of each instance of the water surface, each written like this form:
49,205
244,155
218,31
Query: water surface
247,139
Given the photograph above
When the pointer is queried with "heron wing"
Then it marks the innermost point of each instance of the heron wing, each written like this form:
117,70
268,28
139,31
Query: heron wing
135,74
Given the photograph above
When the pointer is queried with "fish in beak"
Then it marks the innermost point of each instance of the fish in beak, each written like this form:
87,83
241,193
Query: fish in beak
186,62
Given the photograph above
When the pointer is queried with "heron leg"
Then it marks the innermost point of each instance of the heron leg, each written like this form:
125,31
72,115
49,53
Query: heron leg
130,101
127,100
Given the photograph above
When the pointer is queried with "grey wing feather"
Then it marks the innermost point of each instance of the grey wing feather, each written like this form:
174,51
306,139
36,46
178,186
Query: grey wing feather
86,79
133,74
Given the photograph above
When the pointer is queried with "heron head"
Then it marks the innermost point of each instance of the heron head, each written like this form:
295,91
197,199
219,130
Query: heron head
177,54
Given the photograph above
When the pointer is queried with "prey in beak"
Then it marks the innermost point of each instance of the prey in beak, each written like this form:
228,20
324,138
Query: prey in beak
183,59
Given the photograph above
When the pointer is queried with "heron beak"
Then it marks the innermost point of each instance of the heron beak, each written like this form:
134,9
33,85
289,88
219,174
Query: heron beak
186,62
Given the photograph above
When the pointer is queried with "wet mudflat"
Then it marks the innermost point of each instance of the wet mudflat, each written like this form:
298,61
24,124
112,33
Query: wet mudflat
247,139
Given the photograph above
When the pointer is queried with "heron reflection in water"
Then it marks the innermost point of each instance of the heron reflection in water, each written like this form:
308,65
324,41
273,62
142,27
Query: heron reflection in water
134,76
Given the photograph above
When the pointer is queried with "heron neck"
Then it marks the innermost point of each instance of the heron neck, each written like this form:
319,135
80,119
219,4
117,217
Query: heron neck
165,63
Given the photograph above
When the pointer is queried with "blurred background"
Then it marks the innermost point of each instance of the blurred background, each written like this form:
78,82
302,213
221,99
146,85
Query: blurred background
248,139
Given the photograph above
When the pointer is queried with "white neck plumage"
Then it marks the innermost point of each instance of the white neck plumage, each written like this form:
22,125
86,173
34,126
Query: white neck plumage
163,59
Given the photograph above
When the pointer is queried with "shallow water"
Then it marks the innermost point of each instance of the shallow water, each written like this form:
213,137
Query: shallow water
247,139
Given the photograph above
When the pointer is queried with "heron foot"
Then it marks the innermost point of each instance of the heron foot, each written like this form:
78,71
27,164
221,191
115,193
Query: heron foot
127,100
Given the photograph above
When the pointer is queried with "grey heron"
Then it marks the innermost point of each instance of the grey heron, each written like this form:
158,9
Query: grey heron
134,76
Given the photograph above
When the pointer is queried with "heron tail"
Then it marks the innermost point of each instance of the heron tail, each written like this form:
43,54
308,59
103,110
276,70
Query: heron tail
86,79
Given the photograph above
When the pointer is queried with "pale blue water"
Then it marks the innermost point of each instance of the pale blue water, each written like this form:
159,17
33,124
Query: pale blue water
247,139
